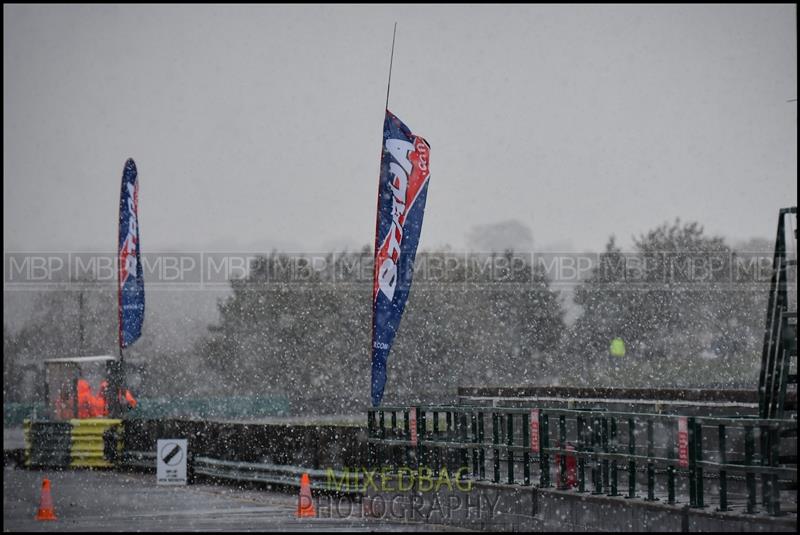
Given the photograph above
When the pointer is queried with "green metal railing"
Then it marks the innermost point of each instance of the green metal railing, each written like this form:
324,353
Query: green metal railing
607,447
780,331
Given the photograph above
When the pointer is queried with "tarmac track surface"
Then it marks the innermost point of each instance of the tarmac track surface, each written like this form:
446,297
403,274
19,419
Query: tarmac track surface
91,500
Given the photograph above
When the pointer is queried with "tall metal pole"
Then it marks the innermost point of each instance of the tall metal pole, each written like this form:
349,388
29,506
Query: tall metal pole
377,208
81,333
391,60
114,368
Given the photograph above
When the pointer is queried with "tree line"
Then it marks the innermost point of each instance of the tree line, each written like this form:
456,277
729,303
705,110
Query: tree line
688,307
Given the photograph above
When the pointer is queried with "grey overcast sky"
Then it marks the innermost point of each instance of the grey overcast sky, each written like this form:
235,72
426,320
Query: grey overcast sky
260,125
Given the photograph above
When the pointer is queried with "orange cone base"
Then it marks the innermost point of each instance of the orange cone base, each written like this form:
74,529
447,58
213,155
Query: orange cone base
302,512
46,514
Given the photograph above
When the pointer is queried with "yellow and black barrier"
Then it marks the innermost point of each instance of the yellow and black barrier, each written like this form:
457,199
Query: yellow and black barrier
85,443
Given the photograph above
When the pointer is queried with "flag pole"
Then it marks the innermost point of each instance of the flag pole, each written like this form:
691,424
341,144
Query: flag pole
391,59
377,204
114,368
115,379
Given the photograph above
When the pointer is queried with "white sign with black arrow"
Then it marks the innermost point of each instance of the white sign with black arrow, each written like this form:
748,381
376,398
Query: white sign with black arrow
171,456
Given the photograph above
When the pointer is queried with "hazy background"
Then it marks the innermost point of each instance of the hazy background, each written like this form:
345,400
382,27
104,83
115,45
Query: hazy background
258,127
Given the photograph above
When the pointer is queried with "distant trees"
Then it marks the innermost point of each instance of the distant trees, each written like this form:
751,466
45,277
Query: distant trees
685,304
70,323
81,320
677,297
689,308
64,322
469,318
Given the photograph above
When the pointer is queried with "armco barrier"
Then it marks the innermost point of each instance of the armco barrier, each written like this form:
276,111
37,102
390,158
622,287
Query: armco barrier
254,446
90,446
274,474
75,443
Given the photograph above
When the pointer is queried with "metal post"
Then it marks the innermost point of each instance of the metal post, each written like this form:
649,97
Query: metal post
474,420
562,444
81,331
116,380
481,453
614,474
382,436
422,428
544,448
496,442
750,477
651,467
407,436
723,474
436,452
448,426
775,498
510,443
698,459
463,439
581,454
765,449
671,471
370,436
604,443
396,451
526,455
391,60
597,472
631,461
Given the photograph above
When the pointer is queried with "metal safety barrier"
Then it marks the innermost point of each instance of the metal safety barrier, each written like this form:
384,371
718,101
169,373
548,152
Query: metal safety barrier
276,474
90,449
679,458
343,482
138,459
75,444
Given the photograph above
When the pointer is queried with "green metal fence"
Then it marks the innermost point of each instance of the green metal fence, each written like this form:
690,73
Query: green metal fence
671,458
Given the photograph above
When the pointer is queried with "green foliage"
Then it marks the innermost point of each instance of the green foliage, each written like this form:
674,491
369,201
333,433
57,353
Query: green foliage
688,307
679,297
307,334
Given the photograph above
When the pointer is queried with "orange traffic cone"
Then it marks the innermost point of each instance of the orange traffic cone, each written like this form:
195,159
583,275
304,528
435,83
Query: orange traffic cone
46,511
305,505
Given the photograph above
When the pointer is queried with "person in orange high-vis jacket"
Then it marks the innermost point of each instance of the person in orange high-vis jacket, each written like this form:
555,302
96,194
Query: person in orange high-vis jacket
85,399
99,408
130,401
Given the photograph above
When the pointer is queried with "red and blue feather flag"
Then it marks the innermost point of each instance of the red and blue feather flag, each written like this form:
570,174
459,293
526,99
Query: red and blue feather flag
402,191
131,277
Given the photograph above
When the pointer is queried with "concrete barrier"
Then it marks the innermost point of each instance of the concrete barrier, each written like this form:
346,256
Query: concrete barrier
310,446
498,507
